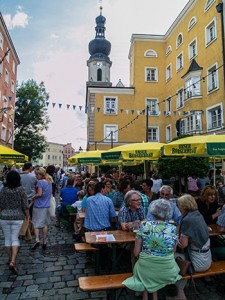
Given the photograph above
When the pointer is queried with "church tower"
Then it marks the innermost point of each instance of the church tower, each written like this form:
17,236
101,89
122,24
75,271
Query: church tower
99,63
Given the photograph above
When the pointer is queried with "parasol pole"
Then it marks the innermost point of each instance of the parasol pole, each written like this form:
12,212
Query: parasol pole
214,174
145,171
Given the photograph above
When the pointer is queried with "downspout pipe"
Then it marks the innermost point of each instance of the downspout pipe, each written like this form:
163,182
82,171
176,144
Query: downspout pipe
219,9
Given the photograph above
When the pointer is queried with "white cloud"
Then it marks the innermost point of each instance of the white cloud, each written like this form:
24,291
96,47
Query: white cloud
20,19
54,36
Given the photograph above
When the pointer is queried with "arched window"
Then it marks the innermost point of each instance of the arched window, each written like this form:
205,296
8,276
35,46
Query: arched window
99,75
179,39
208,4
150,53
168,50
192,23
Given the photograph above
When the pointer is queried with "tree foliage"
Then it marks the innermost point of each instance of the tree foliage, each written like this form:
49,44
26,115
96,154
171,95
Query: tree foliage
179,167
183,167
31,119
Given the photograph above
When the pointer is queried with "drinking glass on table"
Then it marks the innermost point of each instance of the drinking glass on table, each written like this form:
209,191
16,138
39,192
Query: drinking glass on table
136,226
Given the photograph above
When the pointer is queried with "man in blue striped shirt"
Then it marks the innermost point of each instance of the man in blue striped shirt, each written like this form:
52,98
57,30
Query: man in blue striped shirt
100,211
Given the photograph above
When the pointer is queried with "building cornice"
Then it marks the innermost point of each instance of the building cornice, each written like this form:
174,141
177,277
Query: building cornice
2,22
162,38
111,90
180,17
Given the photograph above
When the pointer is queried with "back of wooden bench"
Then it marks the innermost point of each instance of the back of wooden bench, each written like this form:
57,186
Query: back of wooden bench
114,281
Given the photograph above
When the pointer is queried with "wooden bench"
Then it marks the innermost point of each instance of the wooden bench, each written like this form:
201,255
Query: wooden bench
84,247
114,281
217,268
103,282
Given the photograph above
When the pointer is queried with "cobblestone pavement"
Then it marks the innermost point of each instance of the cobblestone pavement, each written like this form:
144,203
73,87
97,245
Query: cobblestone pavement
54,274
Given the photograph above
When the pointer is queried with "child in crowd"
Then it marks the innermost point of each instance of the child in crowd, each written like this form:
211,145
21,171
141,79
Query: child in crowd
221,218
78,205
221,191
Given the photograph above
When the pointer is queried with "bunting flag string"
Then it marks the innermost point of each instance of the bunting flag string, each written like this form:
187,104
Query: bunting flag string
93,109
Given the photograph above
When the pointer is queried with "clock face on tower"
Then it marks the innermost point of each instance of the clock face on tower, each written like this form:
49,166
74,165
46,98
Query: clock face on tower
99,64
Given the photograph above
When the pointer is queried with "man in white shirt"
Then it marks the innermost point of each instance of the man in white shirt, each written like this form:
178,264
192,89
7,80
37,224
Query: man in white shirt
28,181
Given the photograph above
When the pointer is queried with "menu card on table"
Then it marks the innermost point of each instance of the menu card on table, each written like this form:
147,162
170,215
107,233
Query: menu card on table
105,238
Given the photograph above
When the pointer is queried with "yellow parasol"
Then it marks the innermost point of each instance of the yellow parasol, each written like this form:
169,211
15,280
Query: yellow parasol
86,158
136,152
7,155
198,145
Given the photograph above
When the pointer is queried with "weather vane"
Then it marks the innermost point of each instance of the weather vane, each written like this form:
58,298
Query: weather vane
100,4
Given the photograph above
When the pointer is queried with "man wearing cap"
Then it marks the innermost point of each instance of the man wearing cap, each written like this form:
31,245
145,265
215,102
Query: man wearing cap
166,193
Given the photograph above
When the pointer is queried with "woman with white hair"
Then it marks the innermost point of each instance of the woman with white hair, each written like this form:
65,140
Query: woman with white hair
154,248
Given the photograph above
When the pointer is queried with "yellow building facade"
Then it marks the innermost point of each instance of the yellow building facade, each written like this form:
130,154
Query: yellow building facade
176,84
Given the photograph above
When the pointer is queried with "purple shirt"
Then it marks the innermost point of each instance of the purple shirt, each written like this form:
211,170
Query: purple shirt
44,200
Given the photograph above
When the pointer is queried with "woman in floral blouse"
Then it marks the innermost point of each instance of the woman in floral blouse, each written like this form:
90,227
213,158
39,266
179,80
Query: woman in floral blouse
154,248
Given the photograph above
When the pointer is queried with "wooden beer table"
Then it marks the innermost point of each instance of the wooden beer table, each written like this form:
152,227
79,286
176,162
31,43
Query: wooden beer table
112,238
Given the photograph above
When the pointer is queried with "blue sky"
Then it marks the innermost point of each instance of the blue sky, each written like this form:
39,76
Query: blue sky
51,39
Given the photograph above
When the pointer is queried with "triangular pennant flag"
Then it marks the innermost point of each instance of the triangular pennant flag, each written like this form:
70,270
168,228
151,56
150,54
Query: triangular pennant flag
10,98
143,111
80,107
159,113
92,108
179,113
28,101
53,104
68,106
86,109
127,111
21,101
98,109
132,111
35,102
164,113
47,104
174,113
121,110
60,105
17,99
74,107
138,112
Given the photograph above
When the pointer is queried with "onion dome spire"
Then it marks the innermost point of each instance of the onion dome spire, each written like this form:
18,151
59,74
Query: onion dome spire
100,47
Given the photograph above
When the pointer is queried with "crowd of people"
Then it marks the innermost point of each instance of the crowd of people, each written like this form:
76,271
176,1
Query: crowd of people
167,225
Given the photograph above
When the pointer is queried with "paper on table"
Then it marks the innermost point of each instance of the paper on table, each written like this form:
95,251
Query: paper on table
105,238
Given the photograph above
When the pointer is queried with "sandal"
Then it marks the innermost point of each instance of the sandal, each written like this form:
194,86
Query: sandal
12,267
35,246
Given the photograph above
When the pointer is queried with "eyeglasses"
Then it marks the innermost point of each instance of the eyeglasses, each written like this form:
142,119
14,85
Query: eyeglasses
163,194
136,200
